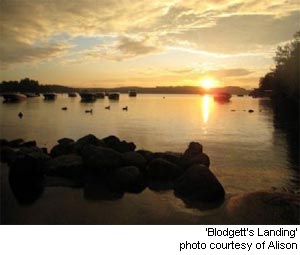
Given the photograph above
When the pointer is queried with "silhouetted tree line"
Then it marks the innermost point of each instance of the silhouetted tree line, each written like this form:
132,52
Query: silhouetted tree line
284,80
33,86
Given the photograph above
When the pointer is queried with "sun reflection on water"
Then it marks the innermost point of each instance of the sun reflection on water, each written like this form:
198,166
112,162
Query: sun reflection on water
207,105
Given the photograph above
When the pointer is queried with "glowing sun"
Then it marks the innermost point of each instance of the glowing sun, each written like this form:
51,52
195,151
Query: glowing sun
208,83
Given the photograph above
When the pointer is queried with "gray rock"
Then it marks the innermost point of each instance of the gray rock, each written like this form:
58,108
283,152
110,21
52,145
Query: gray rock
63,149
163,170
28,144
7,154
114,143
15,143
87,140
132,158
172,157
193,149
127,178
188,161
68,166
148,155
198,183
65,141
101,159
3,142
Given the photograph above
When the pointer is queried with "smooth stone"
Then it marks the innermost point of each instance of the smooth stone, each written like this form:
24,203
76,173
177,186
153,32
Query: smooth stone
28,144
68,166
15,143
65,141
87,140
198,183
193,149
7,154
163,170
3,142
128,179
62,149
115,143
132,158
101,159
187,161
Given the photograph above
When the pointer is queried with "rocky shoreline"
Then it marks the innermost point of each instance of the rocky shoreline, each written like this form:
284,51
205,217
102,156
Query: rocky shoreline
108,168
113,164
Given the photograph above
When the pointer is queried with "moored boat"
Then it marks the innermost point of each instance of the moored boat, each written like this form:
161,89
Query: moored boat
100,95
114,96
132,93
49,96
13,97
72,94
87,96
31,94
222,97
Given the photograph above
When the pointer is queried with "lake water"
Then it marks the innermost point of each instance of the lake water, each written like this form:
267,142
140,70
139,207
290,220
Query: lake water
247,152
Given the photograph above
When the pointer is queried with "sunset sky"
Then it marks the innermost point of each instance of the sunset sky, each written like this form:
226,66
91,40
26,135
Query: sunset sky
107,43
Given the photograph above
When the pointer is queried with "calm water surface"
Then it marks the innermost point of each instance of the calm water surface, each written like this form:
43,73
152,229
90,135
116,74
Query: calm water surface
247,153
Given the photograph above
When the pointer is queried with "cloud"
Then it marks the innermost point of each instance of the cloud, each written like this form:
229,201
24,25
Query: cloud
121,48
224,73
19,53
223,26
240,33
134,47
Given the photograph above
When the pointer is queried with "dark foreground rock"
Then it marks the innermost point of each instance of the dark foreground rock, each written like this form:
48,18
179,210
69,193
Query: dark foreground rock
115,143
100,159
199,183
128,179
163,170
68,166
109,167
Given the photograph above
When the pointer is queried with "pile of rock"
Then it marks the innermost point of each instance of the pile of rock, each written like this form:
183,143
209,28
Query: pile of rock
112,165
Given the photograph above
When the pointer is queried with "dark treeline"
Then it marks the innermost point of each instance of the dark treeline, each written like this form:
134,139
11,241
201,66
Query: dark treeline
28,85
284,80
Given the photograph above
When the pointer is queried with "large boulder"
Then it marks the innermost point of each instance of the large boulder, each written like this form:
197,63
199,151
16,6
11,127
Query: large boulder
30,160
198,183
68,166
63,149
162,170
87,140
148,155
65,141
194,155
15,143
7,154
28,144
115,143
193,149
3,142
132,158
172,157
188,161
26,177
100,159
127,178
26,183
